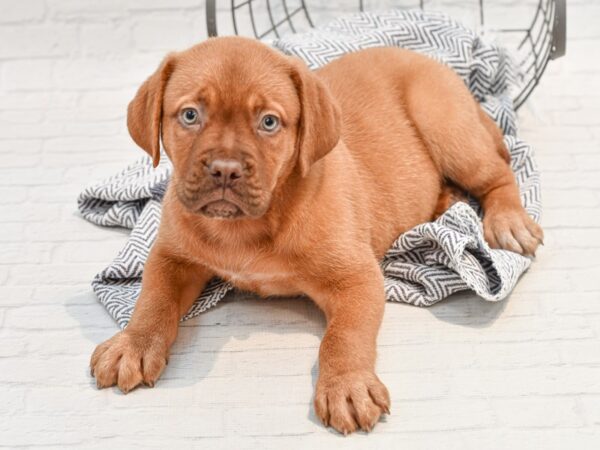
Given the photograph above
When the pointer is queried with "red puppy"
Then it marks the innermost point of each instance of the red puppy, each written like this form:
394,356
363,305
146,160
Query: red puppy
289,182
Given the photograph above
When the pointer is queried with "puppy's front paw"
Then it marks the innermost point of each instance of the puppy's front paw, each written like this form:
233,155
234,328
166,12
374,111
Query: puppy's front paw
129,359
351,400
512,230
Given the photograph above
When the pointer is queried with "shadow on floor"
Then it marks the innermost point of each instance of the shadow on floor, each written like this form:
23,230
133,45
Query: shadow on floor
241,315
192,357
468,310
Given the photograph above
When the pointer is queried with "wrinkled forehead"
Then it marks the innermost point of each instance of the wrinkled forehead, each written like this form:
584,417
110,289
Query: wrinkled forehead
232,76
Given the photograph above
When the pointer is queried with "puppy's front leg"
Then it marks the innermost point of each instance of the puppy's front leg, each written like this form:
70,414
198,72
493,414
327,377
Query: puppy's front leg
139,353
348,394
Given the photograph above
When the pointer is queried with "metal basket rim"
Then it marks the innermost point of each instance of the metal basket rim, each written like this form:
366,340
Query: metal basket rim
556,30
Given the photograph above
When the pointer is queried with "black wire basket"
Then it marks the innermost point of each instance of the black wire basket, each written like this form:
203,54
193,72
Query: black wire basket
540,37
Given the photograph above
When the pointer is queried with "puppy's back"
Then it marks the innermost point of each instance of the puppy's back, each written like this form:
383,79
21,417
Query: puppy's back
396,170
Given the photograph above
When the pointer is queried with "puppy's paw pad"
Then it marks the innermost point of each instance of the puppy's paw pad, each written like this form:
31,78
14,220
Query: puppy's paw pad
351,401
128,360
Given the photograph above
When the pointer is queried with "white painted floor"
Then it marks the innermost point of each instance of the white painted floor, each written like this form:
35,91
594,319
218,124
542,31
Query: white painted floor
521,374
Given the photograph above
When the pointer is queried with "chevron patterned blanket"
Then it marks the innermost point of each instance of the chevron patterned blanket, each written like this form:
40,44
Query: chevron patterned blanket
425,264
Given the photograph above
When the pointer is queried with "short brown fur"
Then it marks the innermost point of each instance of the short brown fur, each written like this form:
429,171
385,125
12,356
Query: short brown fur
369,146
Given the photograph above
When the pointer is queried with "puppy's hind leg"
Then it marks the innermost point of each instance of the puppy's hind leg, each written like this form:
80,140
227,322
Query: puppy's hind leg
468,149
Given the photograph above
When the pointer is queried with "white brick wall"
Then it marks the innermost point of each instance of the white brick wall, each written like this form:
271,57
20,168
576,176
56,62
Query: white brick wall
524,373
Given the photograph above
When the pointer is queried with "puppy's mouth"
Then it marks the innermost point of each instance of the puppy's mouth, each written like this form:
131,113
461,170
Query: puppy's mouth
221,209
219,203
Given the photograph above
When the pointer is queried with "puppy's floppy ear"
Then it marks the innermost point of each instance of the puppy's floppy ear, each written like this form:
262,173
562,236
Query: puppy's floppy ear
320,122
144,113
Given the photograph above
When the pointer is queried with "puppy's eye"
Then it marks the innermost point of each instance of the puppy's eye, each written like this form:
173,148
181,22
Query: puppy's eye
189,116
269,123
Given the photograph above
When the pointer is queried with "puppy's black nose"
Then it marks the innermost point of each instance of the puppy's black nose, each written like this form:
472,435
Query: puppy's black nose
225,171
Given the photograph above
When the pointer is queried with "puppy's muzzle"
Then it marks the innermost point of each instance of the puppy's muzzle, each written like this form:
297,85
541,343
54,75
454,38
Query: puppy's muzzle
224,173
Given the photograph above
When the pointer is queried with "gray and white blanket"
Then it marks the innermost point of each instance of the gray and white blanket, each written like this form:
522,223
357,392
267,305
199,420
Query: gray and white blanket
425,264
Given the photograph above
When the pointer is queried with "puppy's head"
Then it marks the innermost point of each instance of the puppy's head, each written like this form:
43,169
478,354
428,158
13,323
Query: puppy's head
236,119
